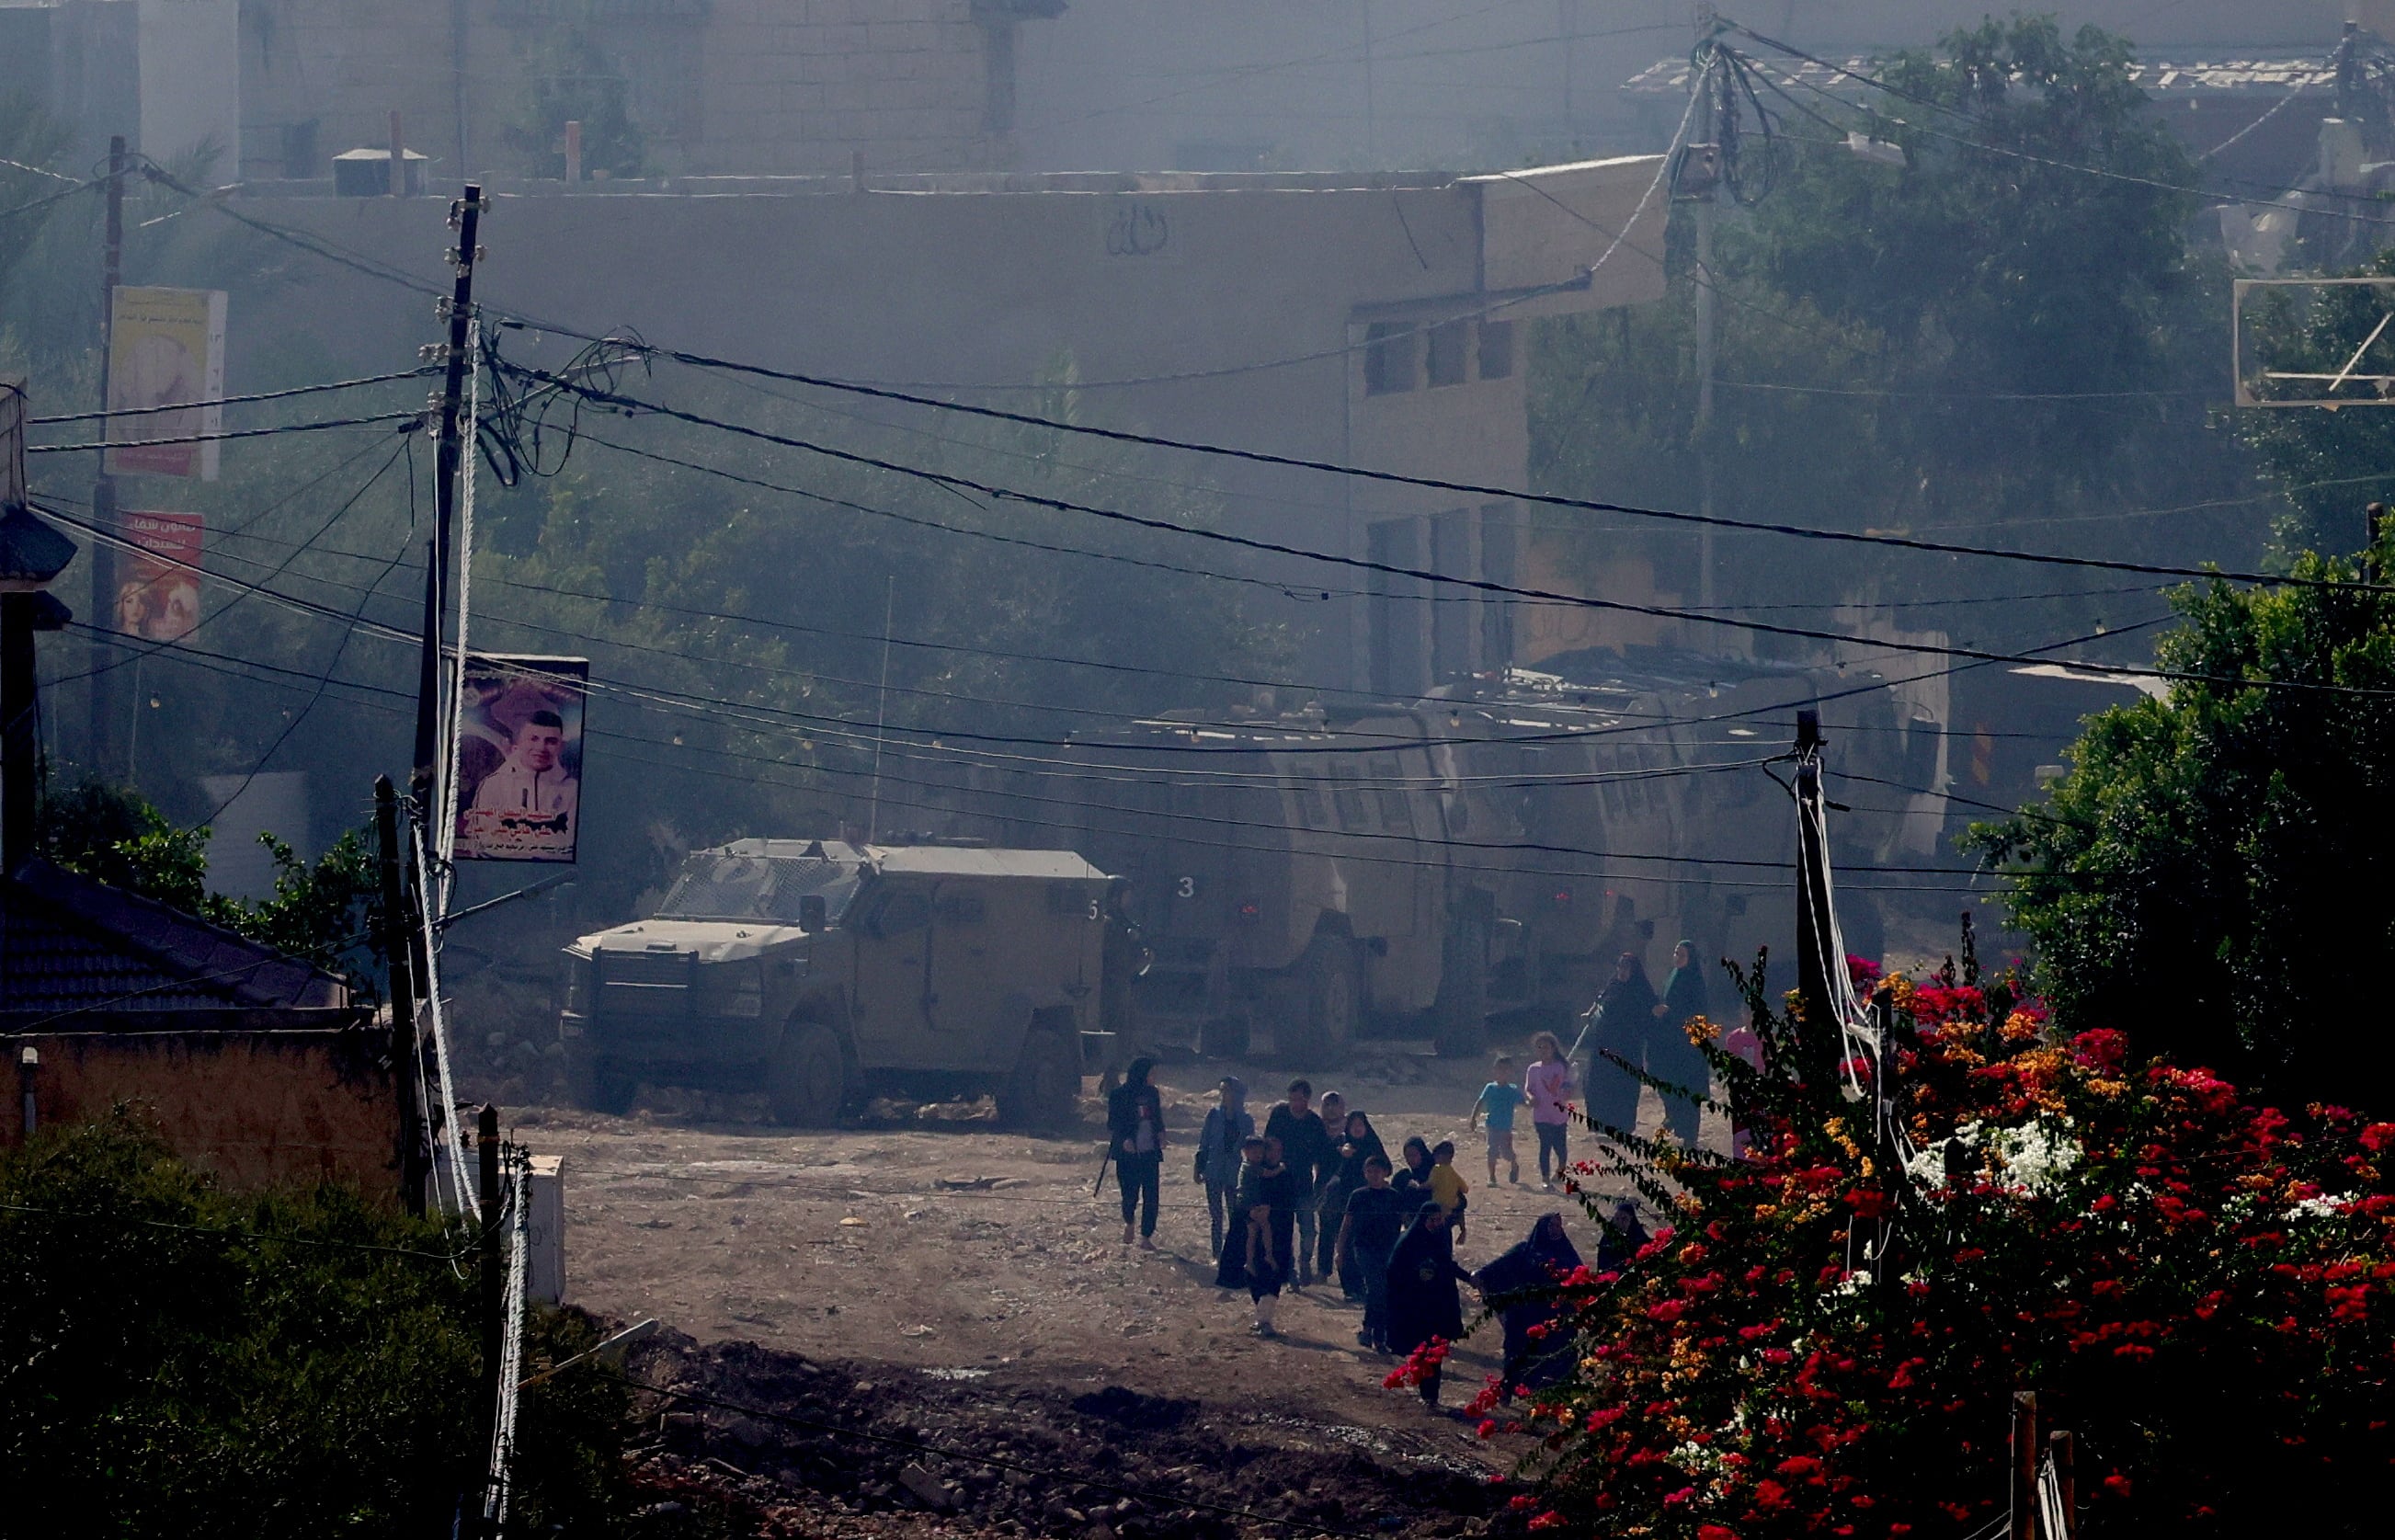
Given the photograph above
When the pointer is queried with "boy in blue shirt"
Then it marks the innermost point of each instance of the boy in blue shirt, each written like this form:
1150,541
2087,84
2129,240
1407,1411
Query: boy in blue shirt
1498,1099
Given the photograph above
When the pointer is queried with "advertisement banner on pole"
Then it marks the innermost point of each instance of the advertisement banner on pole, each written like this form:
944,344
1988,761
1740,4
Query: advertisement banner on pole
519,757
166,348
158,585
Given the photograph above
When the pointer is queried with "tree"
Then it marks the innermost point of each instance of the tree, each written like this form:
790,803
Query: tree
327,913
182,1360
2217,869
2005,339
1824,1335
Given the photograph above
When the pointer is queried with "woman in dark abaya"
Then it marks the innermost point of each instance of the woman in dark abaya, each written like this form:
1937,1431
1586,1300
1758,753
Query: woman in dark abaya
1423,1304
1625,1020
1413,1173
1520,1287
1671,1057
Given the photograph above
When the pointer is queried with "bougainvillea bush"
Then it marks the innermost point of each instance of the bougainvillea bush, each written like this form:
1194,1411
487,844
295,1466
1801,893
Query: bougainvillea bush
1826,1338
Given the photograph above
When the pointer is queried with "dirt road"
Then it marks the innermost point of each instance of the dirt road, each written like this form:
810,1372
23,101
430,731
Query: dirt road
958,1250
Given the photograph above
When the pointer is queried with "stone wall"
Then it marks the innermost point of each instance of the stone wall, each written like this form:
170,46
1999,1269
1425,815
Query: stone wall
263,1107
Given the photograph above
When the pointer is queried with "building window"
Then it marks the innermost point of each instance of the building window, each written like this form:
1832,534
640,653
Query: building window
1451,609
1393,617
299,150
1389,349
1500,562
1496,350
1447,341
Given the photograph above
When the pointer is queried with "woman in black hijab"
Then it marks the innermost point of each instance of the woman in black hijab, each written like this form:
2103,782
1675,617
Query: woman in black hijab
1423,1304
1413,1173
1358,1144
1671,1057
1520,1285
1625,1019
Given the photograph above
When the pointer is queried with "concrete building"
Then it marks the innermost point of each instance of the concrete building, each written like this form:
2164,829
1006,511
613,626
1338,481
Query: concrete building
755,86
1247,84
1377,321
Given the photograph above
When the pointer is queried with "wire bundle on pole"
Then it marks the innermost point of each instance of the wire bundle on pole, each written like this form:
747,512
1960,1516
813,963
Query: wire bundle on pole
498,1483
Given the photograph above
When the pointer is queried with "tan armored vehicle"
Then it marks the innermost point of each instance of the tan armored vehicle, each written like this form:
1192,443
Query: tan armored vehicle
822,972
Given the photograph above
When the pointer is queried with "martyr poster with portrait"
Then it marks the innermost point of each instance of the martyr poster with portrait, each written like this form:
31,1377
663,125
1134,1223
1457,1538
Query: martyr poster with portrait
519,757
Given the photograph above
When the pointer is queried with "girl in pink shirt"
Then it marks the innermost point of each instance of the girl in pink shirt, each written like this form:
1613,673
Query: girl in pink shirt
1547,1086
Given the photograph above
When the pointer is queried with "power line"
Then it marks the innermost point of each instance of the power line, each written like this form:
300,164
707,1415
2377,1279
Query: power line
231,401
1514,591
1391,477
225,434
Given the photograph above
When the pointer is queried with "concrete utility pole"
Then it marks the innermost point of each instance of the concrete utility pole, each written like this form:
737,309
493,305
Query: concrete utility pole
466,218
414,1147
105,689
1706,136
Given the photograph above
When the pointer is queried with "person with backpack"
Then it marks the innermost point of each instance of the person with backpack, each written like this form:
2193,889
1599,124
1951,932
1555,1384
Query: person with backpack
1228,1126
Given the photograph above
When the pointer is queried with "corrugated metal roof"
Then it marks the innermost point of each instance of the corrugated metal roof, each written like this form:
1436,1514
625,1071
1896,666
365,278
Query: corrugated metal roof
2259,76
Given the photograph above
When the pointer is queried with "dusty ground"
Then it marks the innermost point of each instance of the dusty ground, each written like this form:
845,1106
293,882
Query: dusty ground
959,1249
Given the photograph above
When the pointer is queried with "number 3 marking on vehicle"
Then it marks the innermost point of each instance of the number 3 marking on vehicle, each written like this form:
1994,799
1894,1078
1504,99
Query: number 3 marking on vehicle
1189,887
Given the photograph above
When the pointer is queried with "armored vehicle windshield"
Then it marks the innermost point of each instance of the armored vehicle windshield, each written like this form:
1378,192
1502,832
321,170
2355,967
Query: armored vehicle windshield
715,886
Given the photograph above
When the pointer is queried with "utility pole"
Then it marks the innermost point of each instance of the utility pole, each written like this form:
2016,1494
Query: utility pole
494,1292
104,691
415,1132
1820,1036
466,218
1706,148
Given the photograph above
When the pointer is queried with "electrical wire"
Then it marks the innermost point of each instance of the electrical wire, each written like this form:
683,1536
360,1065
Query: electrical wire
1509,590
225,435
244,1237
1396,478
234,400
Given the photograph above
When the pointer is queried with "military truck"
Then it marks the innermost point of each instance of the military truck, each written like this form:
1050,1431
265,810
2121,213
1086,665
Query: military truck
1469,863
822,973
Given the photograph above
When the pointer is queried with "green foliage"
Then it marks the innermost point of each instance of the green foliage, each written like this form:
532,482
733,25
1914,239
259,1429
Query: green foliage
170,1371
571,81
2330,463
325,913
2216,868
1824,1335
1981,343
178,1361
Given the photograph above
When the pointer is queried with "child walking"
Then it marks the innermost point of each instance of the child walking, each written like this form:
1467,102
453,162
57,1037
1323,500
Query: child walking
1547,1086
1268,1202
1447,1184
1498,1099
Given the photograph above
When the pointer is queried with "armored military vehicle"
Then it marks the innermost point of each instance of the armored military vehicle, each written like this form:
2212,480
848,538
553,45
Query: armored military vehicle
1471,862
821,971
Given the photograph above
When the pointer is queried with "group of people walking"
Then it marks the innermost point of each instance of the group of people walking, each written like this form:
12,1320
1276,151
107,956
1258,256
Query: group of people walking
1316,1196
1313,1194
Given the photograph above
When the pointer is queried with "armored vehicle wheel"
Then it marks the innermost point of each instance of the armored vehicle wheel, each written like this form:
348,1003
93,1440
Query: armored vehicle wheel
1046,1089
807,1079
1331,1006
597,1085
1225,1037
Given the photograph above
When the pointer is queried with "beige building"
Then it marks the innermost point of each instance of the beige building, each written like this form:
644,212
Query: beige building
712,85
1376,321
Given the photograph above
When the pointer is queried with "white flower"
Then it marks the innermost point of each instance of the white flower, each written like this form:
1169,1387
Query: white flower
2035,1157
2323,1207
